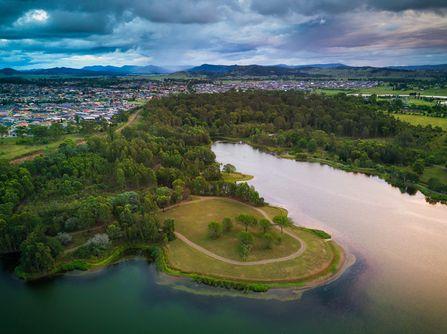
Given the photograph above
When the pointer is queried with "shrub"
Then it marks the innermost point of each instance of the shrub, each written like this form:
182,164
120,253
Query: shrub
64,238
229,168
319,233
94,246
74,265
245,246
214,230
71,224
169,229
99,240
114,231
227,224
267,240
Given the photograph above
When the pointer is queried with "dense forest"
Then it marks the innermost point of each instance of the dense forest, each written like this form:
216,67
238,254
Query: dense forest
115,183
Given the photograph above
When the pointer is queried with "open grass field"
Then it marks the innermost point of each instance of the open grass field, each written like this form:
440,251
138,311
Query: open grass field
423,120
314,261
385,89
327,91
10,150
236,177
192,221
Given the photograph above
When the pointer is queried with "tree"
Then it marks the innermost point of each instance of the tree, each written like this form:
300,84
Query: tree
214,230
229,168
282,221
169,229
247,220
227,224
94,210
36,255
127,220
419,166
163,197
265,225
114,232
3,130
179,190
200,186
312,145
245,246
148,203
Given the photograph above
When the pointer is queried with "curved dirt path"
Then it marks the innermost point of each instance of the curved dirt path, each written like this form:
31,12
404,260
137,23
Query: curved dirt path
234,262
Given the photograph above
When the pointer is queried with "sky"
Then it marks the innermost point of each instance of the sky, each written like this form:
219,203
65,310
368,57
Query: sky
175,33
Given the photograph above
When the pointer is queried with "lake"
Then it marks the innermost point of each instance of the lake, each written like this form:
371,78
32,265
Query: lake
396,285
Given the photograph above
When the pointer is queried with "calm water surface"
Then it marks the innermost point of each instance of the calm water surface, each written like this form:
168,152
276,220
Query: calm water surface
397,285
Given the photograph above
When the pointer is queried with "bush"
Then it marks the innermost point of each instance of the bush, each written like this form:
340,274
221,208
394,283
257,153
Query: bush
114,231
319,233
245,246
99,240
94,246
71,224
222,283
64,238
229,168
267,240
214,230
169,229
74,265
227,224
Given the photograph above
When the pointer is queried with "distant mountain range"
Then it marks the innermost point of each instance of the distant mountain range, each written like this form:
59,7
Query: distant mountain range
440,67
90,71
334,70
244,70
128,69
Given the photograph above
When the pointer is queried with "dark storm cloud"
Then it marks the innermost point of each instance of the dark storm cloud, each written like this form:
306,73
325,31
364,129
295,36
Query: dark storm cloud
61,24
195,31
283,7
172,11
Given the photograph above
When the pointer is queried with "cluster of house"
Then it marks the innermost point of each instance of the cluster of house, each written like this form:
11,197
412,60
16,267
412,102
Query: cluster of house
23,105
307,85
45,103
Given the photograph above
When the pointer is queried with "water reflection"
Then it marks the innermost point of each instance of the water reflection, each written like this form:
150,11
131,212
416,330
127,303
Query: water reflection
400,237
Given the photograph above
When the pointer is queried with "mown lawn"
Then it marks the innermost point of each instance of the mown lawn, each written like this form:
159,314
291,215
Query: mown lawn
315,261
192,221
423,120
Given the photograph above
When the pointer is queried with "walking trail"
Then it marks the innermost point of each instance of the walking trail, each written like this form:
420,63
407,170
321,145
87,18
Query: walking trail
234,262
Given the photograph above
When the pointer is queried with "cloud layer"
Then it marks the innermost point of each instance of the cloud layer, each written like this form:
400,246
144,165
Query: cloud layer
189,32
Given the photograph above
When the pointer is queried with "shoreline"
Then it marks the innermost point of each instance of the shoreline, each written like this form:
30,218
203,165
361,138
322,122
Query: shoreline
430,196
156,254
